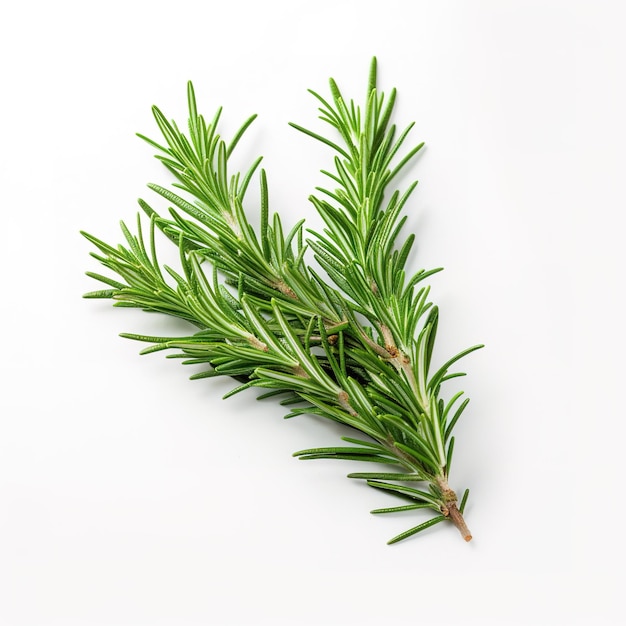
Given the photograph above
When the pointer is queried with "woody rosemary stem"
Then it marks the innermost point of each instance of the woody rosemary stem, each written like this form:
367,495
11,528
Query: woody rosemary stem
451,510
459,522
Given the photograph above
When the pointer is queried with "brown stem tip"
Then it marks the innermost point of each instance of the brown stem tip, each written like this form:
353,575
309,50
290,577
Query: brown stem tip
459,522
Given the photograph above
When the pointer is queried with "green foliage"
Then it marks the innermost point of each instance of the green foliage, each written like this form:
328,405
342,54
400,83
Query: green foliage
352,343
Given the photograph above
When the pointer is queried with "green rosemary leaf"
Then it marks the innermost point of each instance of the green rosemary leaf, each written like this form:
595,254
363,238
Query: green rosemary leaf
436,379
371,81
239,134
104,279
351,457
386,476
151,142
156,348
464,501
205,374
102,293
454,420
354,450
237,390
324,140
398,509
417,529
405,160
414,494
449,454
243,186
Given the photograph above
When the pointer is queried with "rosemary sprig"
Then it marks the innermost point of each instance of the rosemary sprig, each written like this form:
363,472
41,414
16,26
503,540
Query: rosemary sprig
354,345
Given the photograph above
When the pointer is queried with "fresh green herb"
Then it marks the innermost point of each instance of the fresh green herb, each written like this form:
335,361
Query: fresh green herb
351,341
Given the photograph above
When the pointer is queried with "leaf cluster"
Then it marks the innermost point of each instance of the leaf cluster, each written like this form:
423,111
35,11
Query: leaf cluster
351,341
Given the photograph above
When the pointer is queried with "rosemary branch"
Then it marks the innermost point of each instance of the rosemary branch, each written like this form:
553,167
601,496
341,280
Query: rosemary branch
353,345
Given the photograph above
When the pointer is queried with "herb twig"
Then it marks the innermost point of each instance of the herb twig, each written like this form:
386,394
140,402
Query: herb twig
351,341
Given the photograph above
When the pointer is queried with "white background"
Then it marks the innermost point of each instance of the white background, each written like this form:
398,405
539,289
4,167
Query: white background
131,496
